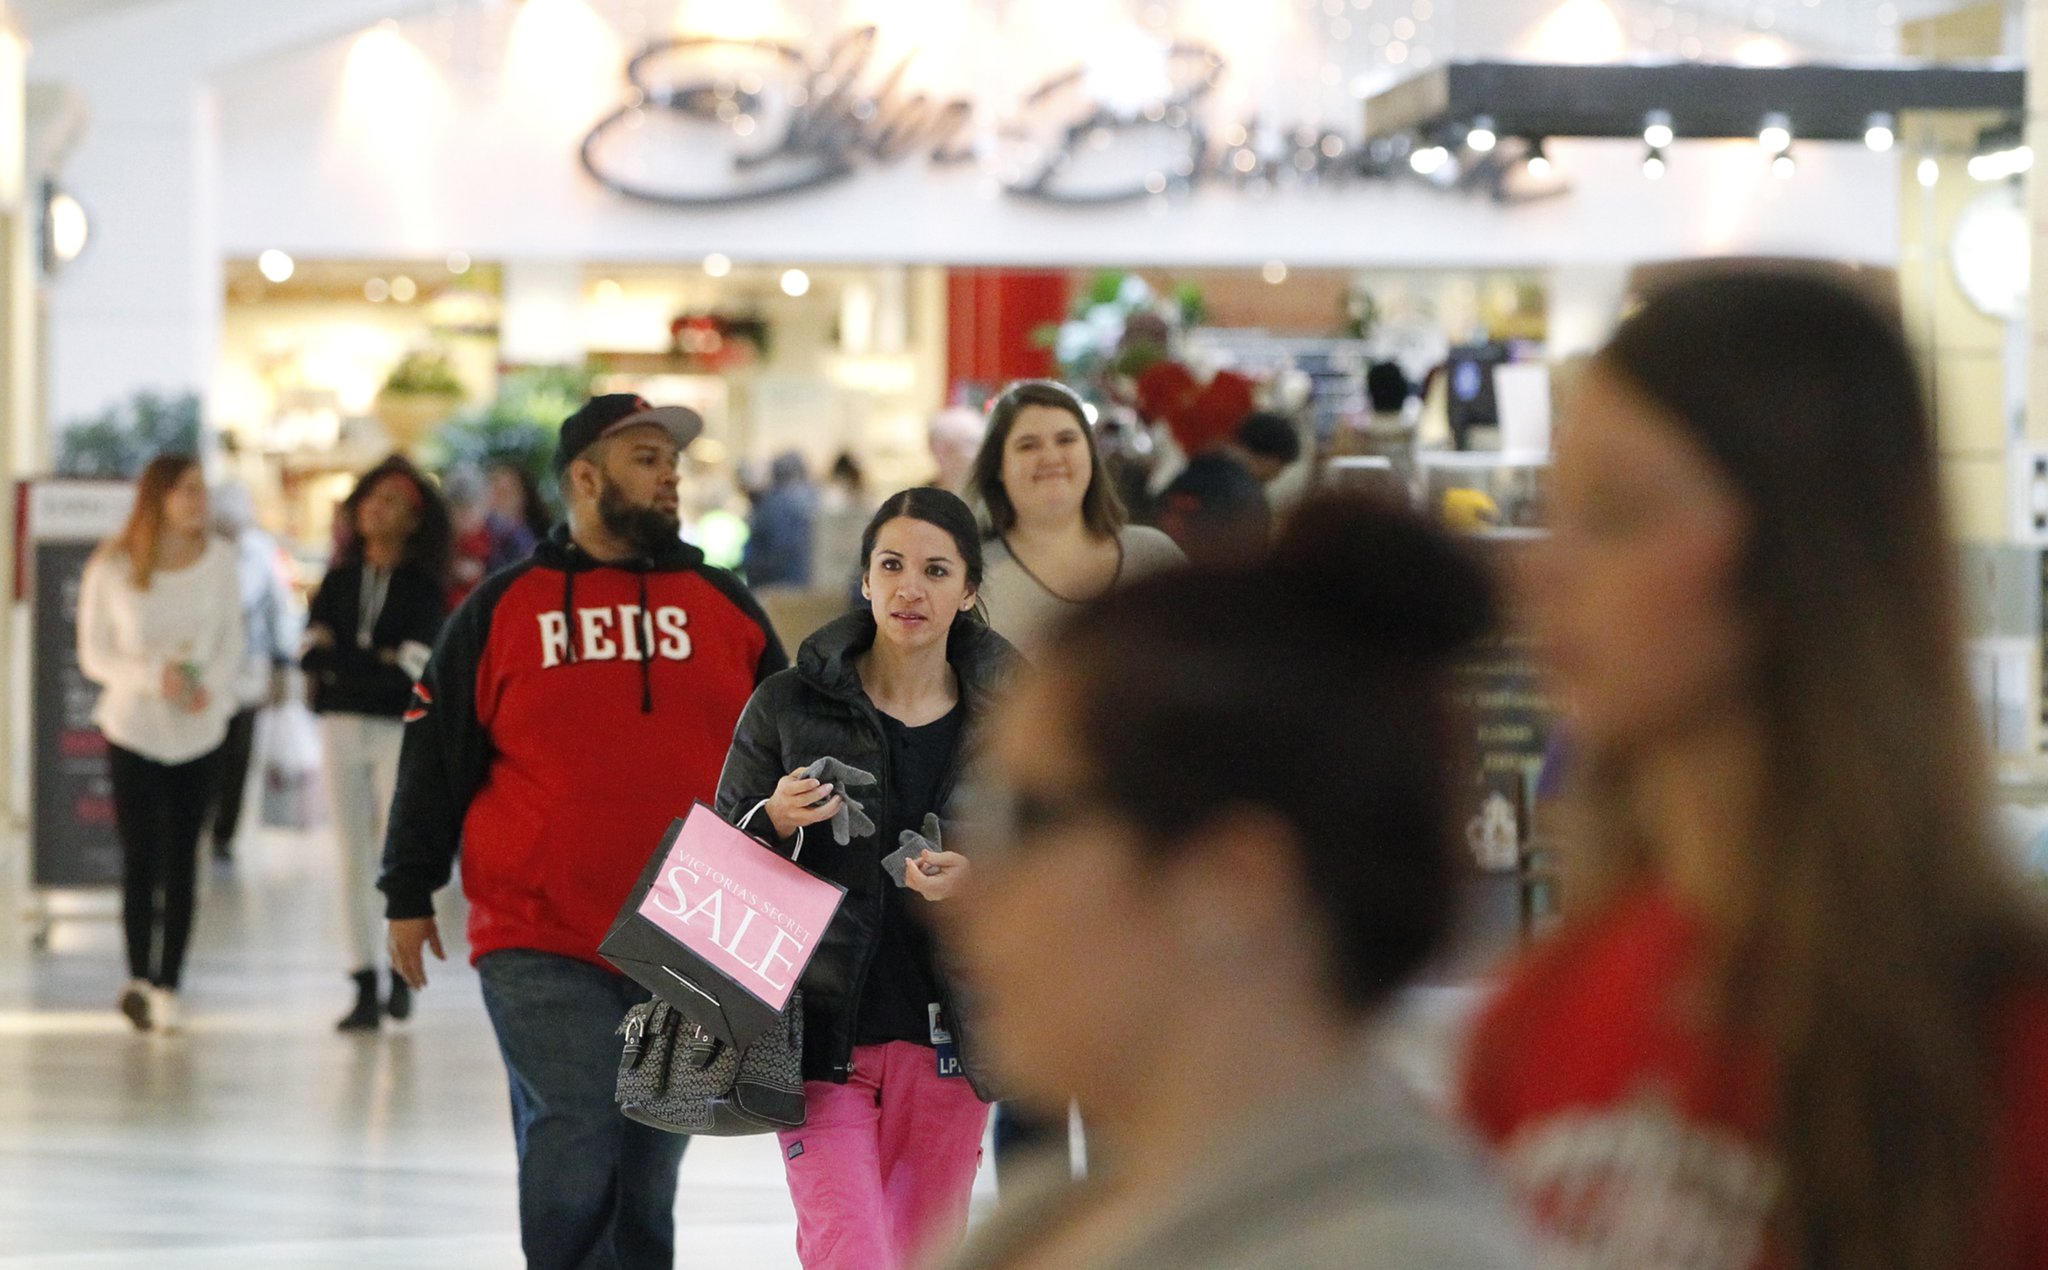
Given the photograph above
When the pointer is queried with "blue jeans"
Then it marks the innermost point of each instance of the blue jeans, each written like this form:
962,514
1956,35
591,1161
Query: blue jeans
596,1190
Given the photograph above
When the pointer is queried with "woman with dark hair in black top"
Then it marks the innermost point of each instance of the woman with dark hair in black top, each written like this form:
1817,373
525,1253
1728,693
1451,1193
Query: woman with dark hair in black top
895,691
373,624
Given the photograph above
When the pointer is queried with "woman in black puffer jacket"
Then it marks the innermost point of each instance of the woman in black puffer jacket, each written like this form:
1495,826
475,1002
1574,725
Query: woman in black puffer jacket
883,1167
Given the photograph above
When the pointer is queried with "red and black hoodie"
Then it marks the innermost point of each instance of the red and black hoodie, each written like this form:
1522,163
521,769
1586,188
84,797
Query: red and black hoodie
572,709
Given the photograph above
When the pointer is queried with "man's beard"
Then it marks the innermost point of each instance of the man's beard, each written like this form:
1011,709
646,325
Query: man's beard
649,529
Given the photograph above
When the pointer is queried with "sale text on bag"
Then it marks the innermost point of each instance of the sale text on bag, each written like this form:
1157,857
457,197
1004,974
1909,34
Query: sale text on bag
723,915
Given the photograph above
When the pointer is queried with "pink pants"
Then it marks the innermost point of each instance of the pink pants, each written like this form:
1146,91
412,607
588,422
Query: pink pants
882,1170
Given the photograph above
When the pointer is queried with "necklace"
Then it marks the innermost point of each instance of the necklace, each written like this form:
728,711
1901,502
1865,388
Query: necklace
376,586
1064,599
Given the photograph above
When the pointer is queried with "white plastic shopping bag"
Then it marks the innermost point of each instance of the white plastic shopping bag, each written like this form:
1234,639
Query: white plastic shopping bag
292,794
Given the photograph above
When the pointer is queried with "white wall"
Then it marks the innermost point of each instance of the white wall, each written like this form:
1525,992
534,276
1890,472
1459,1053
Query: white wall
142,307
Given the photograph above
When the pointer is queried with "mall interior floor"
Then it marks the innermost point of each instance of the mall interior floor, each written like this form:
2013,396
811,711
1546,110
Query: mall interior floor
261,1138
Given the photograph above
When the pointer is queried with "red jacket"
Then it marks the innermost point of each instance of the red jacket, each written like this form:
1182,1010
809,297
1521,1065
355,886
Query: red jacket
570,712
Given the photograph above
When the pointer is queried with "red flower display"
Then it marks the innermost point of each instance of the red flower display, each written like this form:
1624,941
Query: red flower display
1199,415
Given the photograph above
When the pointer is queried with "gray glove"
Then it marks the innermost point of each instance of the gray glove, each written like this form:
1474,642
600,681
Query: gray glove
913,845
851,820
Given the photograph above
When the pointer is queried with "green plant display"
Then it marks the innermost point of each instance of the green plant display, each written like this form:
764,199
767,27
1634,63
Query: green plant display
423,373
119,441
1361,313
519,427
1119,329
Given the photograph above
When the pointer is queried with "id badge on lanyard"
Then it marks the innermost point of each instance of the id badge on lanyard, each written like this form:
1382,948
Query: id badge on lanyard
942,1042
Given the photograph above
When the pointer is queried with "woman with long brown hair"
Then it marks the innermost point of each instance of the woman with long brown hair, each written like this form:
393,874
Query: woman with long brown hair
1057,530
160,630
1799,1014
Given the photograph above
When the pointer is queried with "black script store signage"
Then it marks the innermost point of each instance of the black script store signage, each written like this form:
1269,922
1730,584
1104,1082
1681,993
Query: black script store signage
712,122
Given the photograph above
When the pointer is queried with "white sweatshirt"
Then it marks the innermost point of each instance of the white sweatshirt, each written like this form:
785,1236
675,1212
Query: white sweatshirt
127,637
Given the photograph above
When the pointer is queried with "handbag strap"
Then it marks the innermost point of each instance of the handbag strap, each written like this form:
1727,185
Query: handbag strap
793,855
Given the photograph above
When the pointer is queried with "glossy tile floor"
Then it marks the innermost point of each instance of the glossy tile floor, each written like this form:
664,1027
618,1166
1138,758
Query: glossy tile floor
261,1137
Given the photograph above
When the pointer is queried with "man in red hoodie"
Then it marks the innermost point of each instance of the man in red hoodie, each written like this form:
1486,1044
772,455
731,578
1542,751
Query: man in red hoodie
577,703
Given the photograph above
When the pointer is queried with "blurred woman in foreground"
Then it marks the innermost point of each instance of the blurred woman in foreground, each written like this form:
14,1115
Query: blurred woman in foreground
1230,792
1801,1015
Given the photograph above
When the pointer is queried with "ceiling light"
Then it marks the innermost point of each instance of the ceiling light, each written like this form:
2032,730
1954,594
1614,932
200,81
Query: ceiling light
1429,160
1878,132
1482,138
1657,129
65,228
275,266
1539,162
458,262
376,291
1929,173
2001,154
1782,167
404,289
2001,165
1275,272
1653,164
1776,134
717,264
795,282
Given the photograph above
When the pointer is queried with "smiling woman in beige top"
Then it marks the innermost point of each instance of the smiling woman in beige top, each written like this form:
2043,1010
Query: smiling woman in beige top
1057,536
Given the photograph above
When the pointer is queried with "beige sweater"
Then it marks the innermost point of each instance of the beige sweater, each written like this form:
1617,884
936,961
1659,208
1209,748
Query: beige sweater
1022,611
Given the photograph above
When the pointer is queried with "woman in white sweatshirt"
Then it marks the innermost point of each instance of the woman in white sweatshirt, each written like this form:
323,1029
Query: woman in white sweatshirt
160,630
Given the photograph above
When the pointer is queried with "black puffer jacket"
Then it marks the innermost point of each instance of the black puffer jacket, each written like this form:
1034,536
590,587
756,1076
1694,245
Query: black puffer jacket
818,709
342,677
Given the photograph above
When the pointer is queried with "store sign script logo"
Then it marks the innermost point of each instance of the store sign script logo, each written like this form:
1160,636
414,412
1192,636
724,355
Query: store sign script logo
715,122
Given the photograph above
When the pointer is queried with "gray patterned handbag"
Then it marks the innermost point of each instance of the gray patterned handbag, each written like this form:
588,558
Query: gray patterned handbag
674,1075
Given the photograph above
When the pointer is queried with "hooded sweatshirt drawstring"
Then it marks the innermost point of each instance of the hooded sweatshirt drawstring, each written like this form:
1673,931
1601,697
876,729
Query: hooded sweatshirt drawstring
646,647
646,620
569,600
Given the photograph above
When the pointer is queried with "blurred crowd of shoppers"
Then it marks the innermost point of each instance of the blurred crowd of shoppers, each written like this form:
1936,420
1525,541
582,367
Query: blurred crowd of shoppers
1217,508
783,527
498,517
1180,833
270,639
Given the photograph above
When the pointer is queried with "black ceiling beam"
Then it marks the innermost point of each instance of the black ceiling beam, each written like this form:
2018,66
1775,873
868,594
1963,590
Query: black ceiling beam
1824,103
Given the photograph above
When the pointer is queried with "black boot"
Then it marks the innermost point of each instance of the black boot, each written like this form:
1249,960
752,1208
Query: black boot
399,1005
365,1017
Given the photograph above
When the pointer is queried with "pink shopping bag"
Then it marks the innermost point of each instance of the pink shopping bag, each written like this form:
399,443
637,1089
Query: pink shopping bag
721,927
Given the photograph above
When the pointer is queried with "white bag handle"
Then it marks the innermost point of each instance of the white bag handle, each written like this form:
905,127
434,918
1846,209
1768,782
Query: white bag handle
793,855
